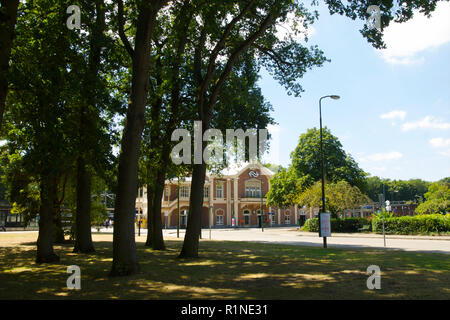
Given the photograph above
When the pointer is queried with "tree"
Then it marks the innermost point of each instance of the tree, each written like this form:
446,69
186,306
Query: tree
338,165
396,190
284,188
340,197
8,18
124,246
55,124
232,30
39,122
88,123
437,199
165,112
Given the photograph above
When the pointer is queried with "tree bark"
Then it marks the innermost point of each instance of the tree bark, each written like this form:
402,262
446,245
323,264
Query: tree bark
83,235
45,253
124,245
8,18
156,180
58,230
156,223
150,198
191,238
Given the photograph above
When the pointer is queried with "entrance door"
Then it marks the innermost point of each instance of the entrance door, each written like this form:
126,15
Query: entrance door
246,218
183,219
302,220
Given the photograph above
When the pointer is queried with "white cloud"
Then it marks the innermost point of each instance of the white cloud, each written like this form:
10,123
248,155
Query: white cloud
405,41
386,156
440,142
394,115
429,122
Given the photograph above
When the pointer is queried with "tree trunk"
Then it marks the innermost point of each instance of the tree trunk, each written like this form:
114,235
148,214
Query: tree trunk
45,252
8,18
124,245
58,230
150,198
191,238
156,224
83,235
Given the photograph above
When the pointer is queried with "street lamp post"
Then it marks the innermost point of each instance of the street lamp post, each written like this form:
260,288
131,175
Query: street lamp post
335,97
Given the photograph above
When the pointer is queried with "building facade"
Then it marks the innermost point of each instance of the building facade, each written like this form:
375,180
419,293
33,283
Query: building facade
236,197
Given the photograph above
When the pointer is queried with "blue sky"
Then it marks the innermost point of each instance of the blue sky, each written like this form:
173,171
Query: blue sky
394,113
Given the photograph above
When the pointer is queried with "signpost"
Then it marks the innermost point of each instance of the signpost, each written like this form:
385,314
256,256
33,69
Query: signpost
325,224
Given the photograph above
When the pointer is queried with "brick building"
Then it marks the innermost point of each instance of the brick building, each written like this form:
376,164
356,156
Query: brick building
235,193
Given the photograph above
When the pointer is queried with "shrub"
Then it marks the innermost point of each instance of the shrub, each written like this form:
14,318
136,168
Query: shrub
420,224
337,225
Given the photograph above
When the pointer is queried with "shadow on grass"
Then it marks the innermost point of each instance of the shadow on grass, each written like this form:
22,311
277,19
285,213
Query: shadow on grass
227,270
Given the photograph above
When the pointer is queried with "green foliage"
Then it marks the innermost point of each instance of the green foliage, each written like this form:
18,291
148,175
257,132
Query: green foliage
98,213
339,197
22,190
306,160
383,214
348,225
420,224
396,190
283,189
437,199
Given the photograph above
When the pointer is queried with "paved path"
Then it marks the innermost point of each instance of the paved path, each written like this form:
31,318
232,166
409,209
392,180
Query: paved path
291,236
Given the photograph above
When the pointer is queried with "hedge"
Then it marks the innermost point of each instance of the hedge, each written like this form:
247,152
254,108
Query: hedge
419,224
338,225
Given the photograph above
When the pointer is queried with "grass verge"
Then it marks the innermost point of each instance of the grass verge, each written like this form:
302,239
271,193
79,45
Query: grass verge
226,270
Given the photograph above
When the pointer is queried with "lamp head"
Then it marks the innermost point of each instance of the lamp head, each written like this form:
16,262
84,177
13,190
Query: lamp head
335,97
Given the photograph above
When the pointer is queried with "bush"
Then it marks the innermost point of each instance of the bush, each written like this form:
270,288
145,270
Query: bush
337,225
420,224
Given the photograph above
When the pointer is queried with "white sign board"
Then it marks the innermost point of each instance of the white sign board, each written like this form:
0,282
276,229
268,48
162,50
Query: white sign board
325,224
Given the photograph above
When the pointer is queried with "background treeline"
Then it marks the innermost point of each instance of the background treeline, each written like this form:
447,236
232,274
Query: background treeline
347,185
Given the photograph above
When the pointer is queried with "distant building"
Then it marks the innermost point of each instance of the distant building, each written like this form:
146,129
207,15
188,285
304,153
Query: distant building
238,193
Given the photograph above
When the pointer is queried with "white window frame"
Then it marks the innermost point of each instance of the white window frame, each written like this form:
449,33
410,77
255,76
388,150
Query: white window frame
287,219
184,192
219,219
219,187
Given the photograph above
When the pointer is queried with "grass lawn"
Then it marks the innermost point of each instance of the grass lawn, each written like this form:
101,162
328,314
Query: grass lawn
226,270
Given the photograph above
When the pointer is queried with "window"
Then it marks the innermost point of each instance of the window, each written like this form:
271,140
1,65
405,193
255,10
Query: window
166,193
253,188
206,192
183,218
184,192
219,218
246,217
219,190
287,219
